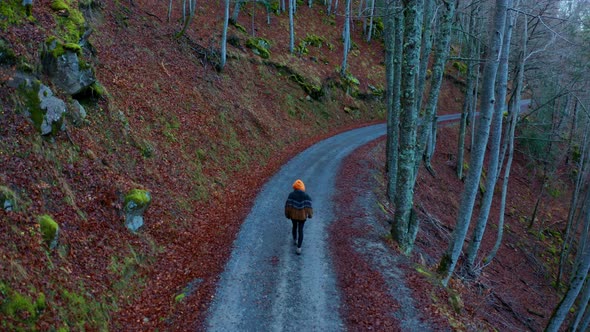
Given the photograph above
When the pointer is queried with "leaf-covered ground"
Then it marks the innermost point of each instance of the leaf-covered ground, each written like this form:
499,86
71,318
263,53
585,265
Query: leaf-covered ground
202,143
513,293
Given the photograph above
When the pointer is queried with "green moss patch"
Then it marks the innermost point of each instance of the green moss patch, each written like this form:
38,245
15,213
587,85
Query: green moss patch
259,46
71,25
32,103
49,230
12,12
19,310
58,5
141,198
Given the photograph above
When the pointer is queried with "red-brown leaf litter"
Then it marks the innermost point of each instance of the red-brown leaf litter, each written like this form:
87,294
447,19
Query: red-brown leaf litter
203,142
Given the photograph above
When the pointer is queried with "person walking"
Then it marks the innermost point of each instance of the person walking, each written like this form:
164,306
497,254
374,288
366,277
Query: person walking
298,209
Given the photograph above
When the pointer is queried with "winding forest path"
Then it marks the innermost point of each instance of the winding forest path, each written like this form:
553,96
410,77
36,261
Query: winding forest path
265,285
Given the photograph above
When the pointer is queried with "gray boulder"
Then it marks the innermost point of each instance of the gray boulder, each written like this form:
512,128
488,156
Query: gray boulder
135,204
53,110
62,64
77,113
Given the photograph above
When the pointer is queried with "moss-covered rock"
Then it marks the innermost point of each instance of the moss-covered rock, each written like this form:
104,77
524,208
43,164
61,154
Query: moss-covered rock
137,198
259,46
46,111
135,203
62,62
7,199
60,5
49,230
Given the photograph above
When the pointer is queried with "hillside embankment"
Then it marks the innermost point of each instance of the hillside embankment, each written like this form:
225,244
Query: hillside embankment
159,120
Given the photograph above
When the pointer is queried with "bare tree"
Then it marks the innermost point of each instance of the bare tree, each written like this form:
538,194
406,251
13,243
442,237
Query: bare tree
224,36
191,6
428,121
394,52
514,114
346,38
371,16
291,26
405,226
494,152
450,257
578,278
470,93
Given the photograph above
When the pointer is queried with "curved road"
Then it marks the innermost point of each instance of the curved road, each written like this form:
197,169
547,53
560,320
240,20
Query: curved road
267,287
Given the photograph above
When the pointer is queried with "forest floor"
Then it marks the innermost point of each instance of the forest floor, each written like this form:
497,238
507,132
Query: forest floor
175,126
513,293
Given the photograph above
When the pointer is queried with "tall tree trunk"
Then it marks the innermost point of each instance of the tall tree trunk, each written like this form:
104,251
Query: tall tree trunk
438,68
425,49
567,242
187,19
431,145
586,322
582,307
450,257
494,153
469,94
405,226
224,36
394,40
291,26
372,15
473,108
577,280
515,110
234,16
346,37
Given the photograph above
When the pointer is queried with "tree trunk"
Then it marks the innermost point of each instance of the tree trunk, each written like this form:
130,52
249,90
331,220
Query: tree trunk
405,224
567,242
291,27
393,48
582,306
372,14
586,322
473,108
438,68
234,16
577,281
426,49
224,36
494,153
515,110
431,146
346,38
469,96
187,19
450,257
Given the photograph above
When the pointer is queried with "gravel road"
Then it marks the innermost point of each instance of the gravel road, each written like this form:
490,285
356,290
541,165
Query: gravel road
267,287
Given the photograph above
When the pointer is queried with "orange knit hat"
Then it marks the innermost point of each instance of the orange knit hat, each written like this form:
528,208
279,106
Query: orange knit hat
298,185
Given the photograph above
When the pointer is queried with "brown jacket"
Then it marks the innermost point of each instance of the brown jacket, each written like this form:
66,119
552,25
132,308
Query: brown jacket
298,206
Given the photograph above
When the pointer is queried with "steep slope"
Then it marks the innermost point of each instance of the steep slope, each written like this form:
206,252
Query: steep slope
201,142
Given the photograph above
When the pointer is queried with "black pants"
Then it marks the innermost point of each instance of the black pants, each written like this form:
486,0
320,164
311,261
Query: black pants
298,228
